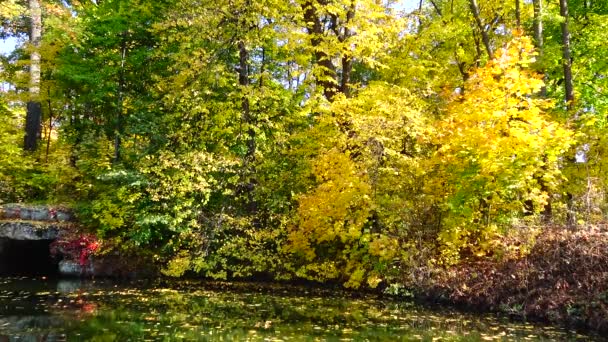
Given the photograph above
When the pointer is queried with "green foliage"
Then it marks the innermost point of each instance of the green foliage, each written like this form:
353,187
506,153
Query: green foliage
13,166
334,141
25,176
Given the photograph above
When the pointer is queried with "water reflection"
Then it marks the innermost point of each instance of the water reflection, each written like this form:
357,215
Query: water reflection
40,309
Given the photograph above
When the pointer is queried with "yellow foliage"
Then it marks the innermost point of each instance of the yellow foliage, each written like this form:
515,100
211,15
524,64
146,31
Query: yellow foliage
498,149
337,209
10,9
384,247
177,266
347,225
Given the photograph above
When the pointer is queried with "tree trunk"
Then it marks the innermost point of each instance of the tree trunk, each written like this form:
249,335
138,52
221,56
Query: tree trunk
245,107
121,85
517,14
50,129
566,58
568,87
539,39
248,121
538,25
33,116
347,62
327,78
485,37
547,212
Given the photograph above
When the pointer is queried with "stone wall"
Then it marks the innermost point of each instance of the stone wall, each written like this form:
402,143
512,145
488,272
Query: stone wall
35,213
23,230
32,222
22,223
26,232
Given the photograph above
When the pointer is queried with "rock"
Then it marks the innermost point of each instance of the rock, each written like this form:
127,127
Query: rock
70,268
35,213
105,267
25,213
74,269
39,213
18,230
11,211
63,215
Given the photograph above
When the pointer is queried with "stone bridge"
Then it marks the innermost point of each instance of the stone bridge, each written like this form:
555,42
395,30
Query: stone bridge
26,231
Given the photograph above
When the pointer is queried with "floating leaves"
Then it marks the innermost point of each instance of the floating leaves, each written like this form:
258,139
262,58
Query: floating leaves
107,311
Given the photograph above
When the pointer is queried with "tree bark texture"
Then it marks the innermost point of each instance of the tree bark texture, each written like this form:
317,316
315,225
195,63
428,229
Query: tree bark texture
314,26
538,25
33,118
566,53
245,106
121,85
538,37
517,13
248,120
485,37
347,62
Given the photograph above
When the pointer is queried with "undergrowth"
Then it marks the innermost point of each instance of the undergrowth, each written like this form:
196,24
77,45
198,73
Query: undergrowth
564,279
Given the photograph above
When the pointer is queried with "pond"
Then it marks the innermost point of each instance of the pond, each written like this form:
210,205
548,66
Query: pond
42,309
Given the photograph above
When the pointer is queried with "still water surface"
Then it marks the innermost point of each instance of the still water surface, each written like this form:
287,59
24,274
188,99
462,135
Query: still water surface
39,309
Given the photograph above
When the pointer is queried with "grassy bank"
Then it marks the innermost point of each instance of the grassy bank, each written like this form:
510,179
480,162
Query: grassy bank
563,280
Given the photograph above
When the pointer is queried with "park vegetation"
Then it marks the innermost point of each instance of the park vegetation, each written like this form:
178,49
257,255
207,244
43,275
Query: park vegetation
338,141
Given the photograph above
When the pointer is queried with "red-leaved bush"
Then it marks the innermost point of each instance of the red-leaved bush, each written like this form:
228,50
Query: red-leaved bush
75,247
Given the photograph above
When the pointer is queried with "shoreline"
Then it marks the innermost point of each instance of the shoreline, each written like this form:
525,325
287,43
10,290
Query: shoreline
566,286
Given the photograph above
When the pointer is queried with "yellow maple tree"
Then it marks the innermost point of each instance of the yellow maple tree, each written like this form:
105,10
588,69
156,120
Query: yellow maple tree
499,149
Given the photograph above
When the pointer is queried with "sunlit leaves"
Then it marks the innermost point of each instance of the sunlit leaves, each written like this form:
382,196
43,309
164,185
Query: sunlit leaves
498,148
327,140
347,224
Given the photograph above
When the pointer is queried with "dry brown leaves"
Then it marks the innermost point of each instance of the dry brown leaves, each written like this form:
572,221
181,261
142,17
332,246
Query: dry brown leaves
563,279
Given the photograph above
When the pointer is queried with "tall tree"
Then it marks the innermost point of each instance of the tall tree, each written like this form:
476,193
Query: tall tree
537,28
107,71
34,108
482,27
538,24
518,13
343,34
566,53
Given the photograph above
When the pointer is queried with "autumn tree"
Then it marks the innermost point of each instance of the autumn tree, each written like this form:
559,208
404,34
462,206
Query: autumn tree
329,140
499,149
